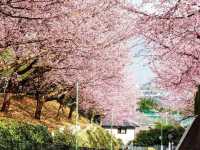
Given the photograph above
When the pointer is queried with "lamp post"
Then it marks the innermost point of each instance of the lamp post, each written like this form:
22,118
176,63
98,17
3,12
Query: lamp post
170,138
161,137
161,146
111,143
77,116
169,144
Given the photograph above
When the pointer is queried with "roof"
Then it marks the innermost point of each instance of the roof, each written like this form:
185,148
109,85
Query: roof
191,137
119,124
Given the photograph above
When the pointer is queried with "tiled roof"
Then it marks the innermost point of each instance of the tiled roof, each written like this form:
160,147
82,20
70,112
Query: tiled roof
119,123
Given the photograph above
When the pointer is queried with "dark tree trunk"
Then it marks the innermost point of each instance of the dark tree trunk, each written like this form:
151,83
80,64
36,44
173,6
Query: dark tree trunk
197,102
6,102
61,107
91,117
38,111
71,112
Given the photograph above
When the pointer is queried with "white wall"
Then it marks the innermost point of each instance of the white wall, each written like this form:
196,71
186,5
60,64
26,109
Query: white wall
124,137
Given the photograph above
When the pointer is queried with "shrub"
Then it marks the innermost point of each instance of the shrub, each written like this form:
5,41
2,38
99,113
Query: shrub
97,137
22,135
151,137
91,137
16,135
64,138
147,104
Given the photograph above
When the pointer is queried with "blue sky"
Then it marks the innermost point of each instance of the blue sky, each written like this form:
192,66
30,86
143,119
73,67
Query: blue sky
142,71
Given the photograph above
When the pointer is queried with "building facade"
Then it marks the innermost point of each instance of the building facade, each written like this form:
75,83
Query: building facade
124,131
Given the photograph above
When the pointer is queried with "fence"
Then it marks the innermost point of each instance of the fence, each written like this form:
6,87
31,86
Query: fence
13,145
19,145
157,147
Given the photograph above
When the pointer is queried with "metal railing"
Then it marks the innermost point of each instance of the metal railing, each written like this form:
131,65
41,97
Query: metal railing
16,145
157,147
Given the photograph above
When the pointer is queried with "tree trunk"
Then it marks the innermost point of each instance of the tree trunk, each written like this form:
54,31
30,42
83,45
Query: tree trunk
6,102
60,108
91,117
197,102
71,112
38,111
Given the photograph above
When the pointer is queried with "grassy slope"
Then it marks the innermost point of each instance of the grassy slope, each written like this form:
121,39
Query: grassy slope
90,135
23,110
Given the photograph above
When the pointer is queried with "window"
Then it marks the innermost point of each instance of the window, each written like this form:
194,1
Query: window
122,131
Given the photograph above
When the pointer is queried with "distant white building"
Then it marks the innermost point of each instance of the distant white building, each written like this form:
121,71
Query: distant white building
148,90
124,130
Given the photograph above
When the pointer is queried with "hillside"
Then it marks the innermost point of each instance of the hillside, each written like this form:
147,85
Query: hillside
60,130
23,110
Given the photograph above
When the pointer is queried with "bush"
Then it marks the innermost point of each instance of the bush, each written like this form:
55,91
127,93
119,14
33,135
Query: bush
22,135
121,144
147,104
151,137
97,137
64,138
91,137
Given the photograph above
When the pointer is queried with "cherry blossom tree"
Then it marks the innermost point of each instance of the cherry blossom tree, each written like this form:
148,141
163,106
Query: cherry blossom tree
172,33
83,41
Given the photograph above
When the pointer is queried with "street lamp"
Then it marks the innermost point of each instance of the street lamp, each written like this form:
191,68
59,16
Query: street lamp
77,116
161,137
161,146
170,136
111,144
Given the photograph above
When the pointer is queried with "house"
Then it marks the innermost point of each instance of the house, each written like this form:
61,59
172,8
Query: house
124,130
148,90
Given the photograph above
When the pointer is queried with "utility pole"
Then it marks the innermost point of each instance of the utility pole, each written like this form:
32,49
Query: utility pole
111,144
161,137
169,146
166,118
77,115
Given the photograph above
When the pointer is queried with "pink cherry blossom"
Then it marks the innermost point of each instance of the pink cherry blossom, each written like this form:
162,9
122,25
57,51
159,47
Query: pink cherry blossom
82,40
